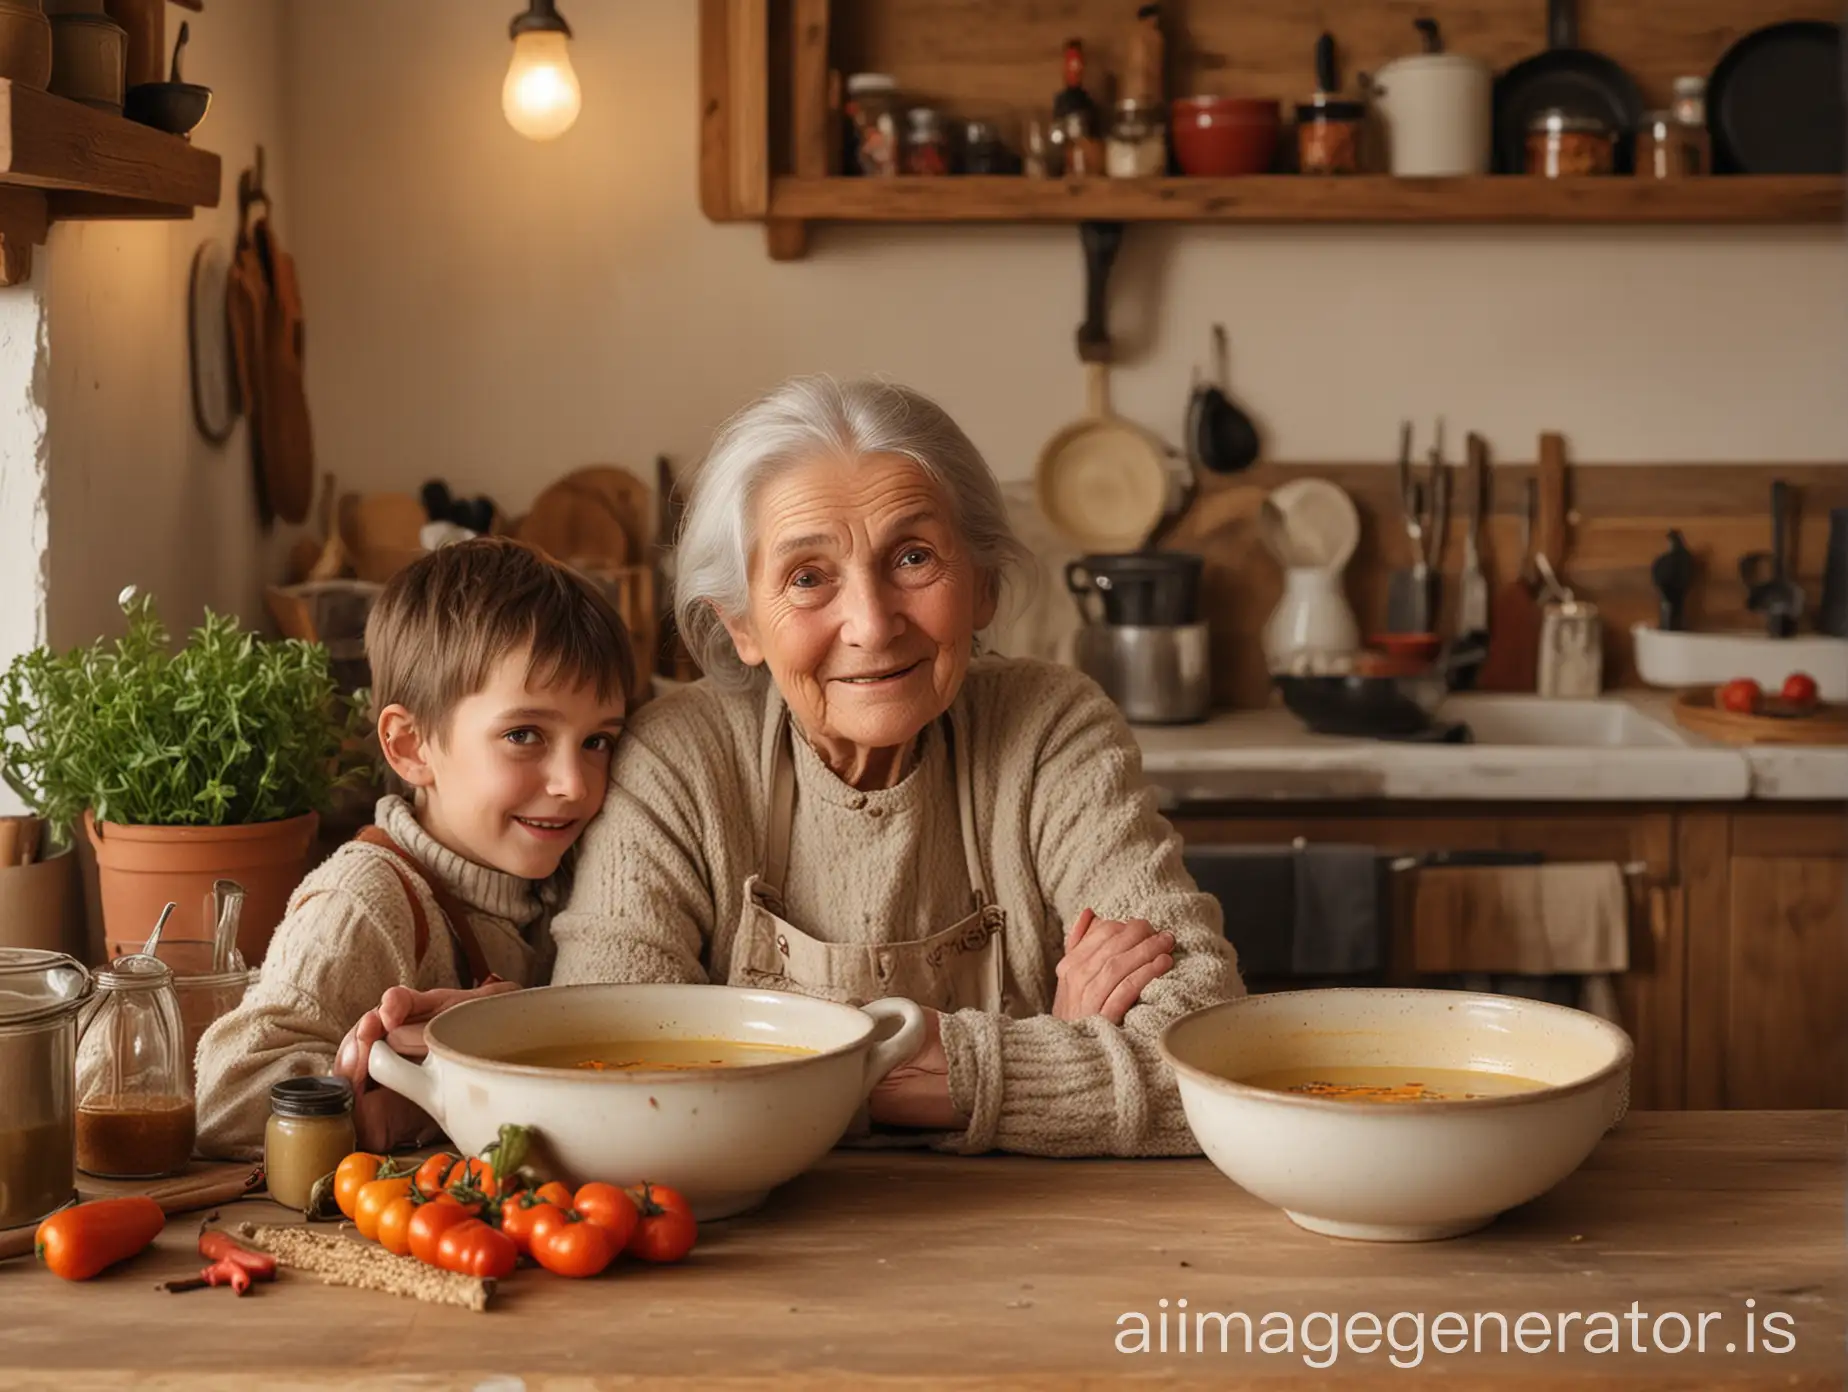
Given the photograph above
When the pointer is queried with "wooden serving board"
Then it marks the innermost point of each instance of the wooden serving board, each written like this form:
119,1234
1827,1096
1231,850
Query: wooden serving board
1776,724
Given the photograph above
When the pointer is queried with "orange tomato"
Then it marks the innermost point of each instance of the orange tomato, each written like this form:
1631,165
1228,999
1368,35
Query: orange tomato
610,1209
666,1231
371,1203
522,1215
393,1229
433,1171
445,1171
574,1247
475,1248
430,1222
554,1193
76,1243
357,1169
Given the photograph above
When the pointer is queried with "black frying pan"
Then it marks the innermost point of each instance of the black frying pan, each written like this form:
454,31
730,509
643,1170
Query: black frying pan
1565,76
1774,103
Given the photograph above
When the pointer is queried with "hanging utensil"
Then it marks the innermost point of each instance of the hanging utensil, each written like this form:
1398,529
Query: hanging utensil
1473,588
1775,595
1514,620
1673,574
1436,529
1220,436
1403,609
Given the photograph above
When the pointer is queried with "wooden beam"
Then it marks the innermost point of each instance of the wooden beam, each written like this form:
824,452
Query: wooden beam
48,142
70,205
23,222
715,102
748,54
786,240
809,88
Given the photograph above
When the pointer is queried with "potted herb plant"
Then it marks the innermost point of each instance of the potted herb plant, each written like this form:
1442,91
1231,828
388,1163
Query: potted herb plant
184,766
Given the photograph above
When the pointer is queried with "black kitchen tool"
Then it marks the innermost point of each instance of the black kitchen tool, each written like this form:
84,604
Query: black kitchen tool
1571,78
1769,589
1139,588
1220,436
1774,103
1673,574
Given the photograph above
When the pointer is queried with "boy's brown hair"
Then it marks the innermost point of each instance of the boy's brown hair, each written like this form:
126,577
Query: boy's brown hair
445,620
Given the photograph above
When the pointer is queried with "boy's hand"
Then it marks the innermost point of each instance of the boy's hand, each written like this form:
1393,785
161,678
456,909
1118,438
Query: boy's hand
382,1119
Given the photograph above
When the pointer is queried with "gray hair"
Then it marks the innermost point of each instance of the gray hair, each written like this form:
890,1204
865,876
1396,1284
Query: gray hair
804,419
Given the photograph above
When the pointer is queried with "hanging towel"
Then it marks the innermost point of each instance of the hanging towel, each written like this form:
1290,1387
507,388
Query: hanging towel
1538,920
1338,920
1256,886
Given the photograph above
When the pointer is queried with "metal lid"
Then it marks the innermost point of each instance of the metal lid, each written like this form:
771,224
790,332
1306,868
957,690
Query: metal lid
36,985
312,1097
1555,121
134,971
1323,107
863,82
1690,86
924,118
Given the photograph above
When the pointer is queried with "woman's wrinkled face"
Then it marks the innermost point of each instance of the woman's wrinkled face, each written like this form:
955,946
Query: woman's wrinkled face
864,599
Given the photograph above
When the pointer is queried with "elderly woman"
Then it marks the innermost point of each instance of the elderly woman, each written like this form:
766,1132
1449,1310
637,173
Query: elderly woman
851,805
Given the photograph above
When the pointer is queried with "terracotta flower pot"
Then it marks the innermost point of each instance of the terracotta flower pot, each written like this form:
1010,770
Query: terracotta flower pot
40,905
141,868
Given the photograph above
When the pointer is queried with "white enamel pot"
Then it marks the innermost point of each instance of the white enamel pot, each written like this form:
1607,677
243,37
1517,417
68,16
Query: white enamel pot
724,1137
1438,113
1401,1172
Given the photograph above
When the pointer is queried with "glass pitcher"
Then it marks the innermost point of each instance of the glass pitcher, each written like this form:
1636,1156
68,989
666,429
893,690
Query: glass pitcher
135,1117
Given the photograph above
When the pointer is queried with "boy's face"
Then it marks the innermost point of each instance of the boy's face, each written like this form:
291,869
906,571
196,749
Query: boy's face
517,775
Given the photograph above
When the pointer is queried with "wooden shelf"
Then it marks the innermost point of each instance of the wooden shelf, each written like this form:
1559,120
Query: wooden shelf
1298,199
61,159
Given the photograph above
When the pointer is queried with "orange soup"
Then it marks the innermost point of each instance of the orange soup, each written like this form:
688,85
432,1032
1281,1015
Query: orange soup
1389,1085
652,1055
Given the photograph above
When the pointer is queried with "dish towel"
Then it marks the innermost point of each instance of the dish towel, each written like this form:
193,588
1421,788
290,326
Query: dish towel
1338,920
1256,886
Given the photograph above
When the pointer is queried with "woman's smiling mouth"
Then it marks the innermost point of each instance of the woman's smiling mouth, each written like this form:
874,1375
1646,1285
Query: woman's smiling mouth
882,678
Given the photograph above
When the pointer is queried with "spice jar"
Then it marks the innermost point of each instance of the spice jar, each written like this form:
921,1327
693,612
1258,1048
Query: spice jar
1137,146
983,152
1561,145
927,149
1084,152
40,996
1328,136
1043,150
872,111
135,1115
309,1132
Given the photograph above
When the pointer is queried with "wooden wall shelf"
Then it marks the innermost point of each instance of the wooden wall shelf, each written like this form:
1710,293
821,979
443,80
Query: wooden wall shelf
61,159
1297,199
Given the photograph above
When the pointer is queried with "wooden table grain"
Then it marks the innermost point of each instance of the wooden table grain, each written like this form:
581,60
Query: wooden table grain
881,1270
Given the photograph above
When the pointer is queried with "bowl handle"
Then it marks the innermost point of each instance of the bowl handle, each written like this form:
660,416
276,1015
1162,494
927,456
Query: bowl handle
391,1069
887,1054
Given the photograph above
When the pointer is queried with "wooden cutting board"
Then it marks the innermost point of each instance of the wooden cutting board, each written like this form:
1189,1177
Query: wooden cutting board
1695,710
204,1184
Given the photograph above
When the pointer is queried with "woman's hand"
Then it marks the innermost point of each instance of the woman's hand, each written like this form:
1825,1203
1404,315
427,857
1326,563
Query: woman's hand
382,1119
1107,963
917,1092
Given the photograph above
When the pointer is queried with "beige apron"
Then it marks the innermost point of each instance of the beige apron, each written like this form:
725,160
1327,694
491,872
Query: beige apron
955,968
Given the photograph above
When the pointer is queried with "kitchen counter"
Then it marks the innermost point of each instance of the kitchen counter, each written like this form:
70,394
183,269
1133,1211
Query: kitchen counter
907,1269
1267,756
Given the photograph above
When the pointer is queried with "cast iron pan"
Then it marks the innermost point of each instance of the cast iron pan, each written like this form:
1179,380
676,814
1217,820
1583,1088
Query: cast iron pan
1568,77
1774,104
1220,436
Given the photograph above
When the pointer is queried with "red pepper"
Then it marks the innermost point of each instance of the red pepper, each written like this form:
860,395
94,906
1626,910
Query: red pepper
220,1247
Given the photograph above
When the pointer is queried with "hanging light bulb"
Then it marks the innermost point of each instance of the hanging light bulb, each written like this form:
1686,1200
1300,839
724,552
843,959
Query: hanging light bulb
540,96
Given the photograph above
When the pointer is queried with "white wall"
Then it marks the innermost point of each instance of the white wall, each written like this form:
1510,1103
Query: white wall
500,311
136,494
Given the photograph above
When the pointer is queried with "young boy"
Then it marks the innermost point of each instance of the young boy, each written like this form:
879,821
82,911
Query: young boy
500,680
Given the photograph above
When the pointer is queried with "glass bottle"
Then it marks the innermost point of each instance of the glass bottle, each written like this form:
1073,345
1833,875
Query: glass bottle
927,148
872,114
309,1132
1690,111
135,1117
1075,117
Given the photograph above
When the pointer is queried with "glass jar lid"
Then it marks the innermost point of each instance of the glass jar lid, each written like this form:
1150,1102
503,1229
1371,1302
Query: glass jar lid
1323,107
862,83
1555,121
322,1096
924,120
134,971
36,985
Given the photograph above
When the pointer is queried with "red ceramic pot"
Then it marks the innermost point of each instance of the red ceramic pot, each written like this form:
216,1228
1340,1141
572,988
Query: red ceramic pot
1217,137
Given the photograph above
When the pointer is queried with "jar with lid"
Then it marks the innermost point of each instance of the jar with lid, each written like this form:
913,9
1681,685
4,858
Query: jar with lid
927,148
1693,142
1328,134
872,112
41,995
135,1116
1563,144
983,152
309,1132
1137,146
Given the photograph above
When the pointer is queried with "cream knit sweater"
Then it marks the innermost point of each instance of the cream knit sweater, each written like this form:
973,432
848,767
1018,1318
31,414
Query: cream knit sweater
347,937
1064,821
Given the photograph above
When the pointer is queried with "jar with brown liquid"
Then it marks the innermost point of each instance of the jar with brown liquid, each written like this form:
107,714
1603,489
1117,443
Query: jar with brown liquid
135,1116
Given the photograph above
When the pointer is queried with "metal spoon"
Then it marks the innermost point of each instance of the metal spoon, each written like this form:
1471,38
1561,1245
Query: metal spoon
153,941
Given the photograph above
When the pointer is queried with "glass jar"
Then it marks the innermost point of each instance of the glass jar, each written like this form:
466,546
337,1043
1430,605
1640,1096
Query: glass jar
927,149
983,152
1690,112
1561,144
1328,136
1042,150
135,1115
1137,146
872,112
309,1132
1083,151
41,994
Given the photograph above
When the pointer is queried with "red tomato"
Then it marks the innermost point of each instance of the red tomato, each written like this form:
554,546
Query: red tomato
666,1230
429,1224
610,1209
1740,695
554,1193
475,1248
523,1215
574,1247
1800,690
433,1171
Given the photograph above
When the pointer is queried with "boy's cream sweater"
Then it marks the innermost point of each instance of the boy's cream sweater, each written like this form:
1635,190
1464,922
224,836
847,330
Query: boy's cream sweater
348,936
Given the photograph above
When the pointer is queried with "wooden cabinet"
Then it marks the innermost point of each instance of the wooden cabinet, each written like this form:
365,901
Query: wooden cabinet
1737,995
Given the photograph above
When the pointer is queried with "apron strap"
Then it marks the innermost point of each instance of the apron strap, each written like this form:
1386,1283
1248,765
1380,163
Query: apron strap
782,811
965,810
471,963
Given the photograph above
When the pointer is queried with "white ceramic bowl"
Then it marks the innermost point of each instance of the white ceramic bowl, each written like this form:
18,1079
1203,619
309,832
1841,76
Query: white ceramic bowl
1399,1172
724,1137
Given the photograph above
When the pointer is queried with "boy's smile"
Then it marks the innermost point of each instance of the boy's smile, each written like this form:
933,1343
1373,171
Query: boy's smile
517,774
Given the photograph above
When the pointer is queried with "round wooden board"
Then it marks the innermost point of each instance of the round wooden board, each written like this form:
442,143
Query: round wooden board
1695,710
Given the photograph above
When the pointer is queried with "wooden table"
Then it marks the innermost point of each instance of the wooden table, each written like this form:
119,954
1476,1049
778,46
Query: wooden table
879,1270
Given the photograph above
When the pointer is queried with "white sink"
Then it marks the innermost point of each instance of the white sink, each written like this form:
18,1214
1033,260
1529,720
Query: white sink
1559,724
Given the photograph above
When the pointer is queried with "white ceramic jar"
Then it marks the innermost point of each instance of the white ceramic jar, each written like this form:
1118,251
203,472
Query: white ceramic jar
1438,113
1312,620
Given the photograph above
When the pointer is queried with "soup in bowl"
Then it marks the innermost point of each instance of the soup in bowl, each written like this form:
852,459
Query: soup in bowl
1397,1115
718,1092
